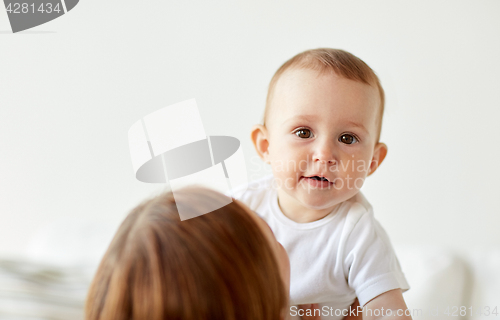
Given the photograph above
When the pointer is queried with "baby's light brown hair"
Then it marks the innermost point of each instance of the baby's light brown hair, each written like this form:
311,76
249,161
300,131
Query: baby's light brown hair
326,60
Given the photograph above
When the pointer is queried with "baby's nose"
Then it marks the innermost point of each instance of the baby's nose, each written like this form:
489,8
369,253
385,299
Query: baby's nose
327,161
324,158
325,153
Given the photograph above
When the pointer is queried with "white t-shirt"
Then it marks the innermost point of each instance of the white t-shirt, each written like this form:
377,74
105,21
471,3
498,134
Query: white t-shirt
345,255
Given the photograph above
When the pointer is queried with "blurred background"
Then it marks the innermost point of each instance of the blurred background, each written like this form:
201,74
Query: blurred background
71,88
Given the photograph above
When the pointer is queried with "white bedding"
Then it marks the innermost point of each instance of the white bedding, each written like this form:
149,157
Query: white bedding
30,290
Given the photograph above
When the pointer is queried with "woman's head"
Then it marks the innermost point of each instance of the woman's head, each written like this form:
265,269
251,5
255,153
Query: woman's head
225,264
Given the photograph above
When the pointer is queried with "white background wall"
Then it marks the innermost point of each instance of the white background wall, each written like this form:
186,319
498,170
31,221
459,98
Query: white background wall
70,89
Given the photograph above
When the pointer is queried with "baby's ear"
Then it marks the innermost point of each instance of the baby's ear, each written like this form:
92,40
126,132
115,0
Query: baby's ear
378,156
260,139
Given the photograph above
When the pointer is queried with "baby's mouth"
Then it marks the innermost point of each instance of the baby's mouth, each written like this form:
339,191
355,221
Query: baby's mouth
317,178
318,182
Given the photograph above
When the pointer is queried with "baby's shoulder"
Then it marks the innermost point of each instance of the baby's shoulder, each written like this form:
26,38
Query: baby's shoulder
254,192
358,210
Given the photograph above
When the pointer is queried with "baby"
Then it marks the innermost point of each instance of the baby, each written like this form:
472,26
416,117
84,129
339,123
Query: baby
320,135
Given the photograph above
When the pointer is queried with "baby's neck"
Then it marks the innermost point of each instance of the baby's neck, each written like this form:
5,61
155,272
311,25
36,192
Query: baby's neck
301,214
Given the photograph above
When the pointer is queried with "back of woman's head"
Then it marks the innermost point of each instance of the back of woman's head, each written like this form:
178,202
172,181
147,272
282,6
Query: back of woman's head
215,266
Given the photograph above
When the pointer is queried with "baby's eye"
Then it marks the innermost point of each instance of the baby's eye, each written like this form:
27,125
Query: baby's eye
348,138
303,133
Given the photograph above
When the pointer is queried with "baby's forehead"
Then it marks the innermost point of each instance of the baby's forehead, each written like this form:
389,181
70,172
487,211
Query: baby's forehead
300,78
303,92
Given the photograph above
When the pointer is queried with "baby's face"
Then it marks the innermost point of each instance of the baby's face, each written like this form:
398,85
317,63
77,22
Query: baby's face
322,133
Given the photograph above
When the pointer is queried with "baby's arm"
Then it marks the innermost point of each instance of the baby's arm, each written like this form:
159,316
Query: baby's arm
372,264
392,300
353,312
312,307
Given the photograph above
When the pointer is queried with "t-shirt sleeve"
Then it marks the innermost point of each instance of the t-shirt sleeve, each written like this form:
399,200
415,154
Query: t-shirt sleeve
370,263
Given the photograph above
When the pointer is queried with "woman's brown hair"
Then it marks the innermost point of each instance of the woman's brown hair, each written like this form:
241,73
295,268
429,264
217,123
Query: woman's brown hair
216,266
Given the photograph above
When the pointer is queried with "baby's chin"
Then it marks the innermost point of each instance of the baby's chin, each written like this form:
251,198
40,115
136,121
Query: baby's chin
319,201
